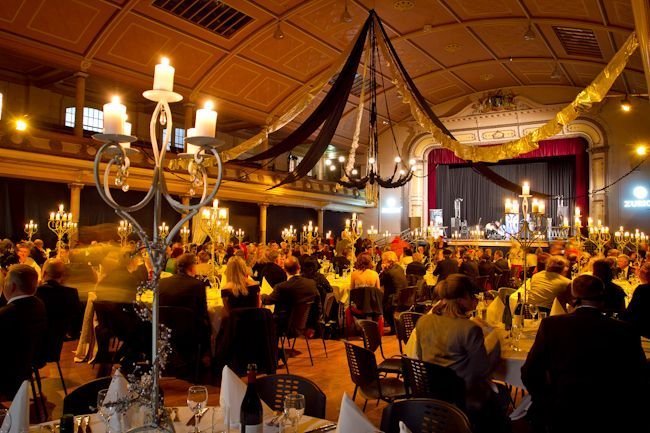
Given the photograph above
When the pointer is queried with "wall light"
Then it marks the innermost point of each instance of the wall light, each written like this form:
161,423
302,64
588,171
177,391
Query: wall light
641,150
21,125
626,105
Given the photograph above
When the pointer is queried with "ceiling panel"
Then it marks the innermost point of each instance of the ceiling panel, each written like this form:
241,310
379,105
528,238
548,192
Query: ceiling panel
415,60
486,77
579,9
440,87
481,9
323,18
453,46
427,12
536,72
619,13
507,40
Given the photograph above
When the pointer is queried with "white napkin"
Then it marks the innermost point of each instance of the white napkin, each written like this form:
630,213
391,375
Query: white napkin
118,390
19,410
266,288
522,409
351,419
403,428
495,311
557,308
232,393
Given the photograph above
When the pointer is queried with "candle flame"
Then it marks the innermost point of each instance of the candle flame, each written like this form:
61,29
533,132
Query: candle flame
209,105
164,61
115,99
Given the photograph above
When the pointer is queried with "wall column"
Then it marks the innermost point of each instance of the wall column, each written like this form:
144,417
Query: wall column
75,207
321,221
263,208
417,214
80,102
598,201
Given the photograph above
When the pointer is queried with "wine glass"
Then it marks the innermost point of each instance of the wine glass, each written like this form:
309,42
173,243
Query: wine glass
106,411
197,398
294,408
534,311
5,421
515,333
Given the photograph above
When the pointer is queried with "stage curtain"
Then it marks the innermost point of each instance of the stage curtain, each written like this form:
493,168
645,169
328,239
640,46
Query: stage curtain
484,201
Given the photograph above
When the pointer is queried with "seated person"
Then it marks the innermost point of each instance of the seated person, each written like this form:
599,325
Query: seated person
120,278
342,262
364,275
407,257
392,280
638,312
447,337
416,267
549,284
469,266
585,371
485,266
614,295
240,291
62,304
310,270
447,266
500,264
272,269
23,326
203,268
625,271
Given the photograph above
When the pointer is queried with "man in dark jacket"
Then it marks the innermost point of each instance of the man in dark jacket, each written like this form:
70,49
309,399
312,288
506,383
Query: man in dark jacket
469,266
393,280
271,270
446,266
61,303
23,323
586,372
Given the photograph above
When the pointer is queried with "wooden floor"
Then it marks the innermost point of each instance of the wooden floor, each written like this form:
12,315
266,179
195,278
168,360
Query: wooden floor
331,374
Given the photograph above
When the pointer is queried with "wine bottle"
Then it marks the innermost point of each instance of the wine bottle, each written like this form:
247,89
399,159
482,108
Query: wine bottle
67,423
250,413
519,312
507,315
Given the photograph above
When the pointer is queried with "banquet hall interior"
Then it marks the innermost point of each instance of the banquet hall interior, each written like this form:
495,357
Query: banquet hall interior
422,215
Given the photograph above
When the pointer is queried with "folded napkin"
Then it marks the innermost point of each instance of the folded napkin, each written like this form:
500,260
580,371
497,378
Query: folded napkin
19,411
232,393
118,390
522,409
403,428
351,419
266,288
557,308
495,311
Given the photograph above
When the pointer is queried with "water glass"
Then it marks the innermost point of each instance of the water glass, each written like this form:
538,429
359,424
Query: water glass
197,399
515,334
5,421
106,411
294,409
534,311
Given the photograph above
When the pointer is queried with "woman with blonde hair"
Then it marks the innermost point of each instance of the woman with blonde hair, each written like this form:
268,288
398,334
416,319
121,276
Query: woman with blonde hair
240,290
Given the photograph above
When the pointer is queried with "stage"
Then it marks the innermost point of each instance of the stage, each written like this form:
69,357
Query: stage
499,243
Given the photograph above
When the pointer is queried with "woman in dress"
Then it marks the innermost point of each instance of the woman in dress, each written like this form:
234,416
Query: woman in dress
364,275
240,291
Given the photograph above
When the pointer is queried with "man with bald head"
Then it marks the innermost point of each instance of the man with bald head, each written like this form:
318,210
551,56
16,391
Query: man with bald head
295,290
61,303
23,322
585,371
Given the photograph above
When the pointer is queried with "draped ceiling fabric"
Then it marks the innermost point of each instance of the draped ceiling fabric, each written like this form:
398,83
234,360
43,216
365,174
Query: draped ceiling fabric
571,150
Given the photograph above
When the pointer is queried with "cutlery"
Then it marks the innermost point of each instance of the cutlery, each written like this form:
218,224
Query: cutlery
323,428
192,420
87,419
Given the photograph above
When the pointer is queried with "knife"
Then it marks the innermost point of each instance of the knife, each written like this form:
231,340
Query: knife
323,428
192,419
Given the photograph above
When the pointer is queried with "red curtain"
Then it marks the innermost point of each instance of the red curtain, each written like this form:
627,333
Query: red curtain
547,149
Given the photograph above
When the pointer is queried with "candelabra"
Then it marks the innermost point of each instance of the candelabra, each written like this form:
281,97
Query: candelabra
163,230
475,237
599,236
239,234
116,141
30,229
372,235
309,234
289,235
353,231
214,222
433,233
123,231
625,239
62,225
621,239
185,237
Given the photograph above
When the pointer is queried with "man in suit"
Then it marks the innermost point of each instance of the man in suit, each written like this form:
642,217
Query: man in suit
417,267
38,253
272,270
23,323
485,266
585,372
23,257
288,294
469,266
625,271
393,280
446,266
183,290
500,264
61,303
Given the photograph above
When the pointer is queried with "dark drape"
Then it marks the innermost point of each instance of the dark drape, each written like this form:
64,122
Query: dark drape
485,200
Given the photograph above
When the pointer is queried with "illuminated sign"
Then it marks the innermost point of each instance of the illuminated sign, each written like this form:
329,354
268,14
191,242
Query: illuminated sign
640,194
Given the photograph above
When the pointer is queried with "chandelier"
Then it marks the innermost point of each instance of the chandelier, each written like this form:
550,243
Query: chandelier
402,173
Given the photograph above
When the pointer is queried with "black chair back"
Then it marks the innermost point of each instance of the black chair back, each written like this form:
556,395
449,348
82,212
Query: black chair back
362,364
405,324
423,415
120,321
248,336
298,318
328,304
185,338
427,380
367,300
83,400
481,282
274,387
370,333
405,298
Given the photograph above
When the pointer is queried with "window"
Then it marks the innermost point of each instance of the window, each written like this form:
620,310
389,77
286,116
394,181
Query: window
177,143
93,119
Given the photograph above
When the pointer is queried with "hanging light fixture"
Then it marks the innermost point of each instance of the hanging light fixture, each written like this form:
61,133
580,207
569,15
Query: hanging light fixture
626,105
530,35
557,72
345,16
278,33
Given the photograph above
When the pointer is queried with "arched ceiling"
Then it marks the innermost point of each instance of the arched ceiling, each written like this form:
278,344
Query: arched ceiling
452,48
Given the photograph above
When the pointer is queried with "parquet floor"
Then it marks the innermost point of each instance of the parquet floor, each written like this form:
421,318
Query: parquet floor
331,374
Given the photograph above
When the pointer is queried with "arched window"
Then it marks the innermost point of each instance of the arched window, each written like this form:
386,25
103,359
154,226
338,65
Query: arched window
93,119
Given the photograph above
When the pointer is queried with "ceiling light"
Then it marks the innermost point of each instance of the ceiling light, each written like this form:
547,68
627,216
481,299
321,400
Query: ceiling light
328,162
557,72
641,150
332,167
412,162
403,5
530,33
278,33
398,160
345,16
371,160
626,105
341,158
355,172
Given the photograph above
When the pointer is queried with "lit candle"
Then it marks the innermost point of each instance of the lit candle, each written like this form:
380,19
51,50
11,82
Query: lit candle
535,206
163,77
347,223
541,207
215,203
525,189
114,114
127,131
70,216
627,235
566,222
360,225
58,216
590,221
578,212
61,207
51,216
508,206
222,214
206,121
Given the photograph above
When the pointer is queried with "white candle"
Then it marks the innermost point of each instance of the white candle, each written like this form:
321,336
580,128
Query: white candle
577,212
541,207
566,222
127,131
191,148
508,206
535,206
61,208
114,114
525,189
206,121
163,77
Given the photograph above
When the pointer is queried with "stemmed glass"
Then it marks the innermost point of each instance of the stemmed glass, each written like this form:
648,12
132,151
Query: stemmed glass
5,421
106,411
197,399
534,311
294,409
515,333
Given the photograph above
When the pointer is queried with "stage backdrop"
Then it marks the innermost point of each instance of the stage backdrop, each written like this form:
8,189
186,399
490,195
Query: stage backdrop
558,167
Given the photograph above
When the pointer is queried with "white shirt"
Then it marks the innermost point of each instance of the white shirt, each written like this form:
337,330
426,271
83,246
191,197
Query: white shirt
15,298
